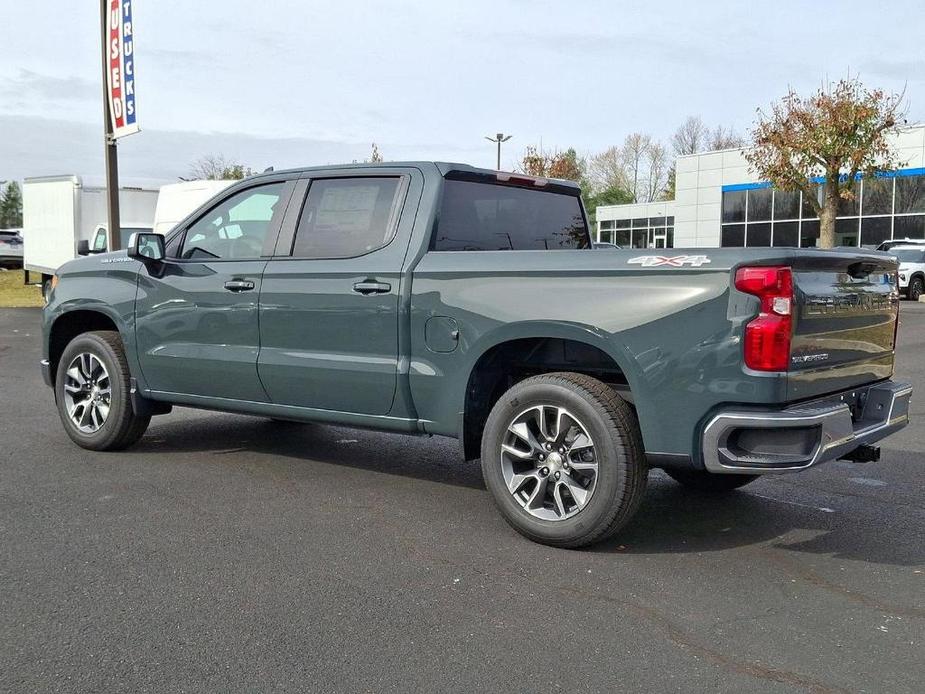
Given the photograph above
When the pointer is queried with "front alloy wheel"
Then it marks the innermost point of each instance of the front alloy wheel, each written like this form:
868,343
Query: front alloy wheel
548,462
93,393
87,393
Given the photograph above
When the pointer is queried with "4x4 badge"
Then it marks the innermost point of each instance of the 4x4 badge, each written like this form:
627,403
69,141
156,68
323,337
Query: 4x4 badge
672,261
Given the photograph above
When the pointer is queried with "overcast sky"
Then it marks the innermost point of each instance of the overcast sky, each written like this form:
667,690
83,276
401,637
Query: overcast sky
301,82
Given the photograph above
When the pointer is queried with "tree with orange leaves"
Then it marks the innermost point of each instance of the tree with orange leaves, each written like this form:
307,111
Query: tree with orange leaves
841,132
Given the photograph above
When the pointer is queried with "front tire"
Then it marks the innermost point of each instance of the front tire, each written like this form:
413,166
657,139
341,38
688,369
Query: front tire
704,481
92,388
916,287
562,457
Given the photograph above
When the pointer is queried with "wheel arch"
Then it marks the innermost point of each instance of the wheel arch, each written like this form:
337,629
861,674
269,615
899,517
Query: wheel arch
517,351
69,324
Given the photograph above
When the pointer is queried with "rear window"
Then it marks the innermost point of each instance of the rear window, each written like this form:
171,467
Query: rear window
909,255
490,217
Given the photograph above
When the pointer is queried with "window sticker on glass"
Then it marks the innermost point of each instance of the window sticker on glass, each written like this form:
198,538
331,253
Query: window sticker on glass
350,208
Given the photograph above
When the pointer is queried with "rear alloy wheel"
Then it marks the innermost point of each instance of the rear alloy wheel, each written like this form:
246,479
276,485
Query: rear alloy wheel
562,457
704,481
92,389
916,287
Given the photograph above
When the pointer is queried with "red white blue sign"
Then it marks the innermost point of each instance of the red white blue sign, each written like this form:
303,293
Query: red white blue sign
120,51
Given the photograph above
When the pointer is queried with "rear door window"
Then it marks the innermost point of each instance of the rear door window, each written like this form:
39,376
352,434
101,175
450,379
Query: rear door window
477,216
347,217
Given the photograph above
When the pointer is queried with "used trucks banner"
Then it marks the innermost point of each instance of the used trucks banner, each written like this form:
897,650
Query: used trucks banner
121,73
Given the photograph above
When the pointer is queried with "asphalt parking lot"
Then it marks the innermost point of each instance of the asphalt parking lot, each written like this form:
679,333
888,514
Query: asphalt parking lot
230,553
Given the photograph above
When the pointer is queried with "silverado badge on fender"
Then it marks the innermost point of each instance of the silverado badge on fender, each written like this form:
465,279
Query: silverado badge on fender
670,261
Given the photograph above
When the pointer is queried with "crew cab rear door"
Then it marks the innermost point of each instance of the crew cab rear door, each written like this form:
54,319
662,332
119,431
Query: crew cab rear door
331,295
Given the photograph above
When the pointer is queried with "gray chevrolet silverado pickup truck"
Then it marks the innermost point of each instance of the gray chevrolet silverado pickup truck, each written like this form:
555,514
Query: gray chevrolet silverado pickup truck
434,298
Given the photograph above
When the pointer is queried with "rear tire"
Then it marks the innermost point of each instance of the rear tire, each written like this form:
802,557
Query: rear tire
704,481
562,457
92,389
916,287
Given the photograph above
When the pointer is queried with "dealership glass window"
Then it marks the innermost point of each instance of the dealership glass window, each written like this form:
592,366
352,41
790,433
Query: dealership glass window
759,205
910,194
734,206
732,235
758,234
786,204
909,227
877,196
656,221
787,234
875,230
806,209
847,231
641,223
809,233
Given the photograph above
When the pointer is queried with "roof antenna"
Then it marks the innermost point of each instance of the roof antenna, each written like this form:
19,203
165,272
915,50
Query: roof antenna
269,169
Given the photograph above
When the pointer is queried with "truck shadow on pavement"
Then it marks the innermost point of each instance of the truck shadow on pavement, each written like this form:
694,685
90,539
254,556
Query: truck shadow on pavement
673,519
670,520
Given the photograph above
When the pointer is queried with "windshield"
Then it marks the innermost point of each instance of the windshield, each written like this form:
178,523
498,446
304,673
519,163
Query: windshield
909,255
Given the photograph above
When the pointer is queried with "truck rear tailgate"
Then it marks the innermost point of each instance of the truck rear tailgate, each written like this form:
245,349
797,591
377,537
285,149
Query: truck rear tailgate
845,318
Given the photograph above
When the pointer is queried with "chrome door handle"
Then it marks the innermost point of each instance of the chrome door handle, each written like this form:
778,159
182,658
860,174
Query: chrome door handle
372,287
239,285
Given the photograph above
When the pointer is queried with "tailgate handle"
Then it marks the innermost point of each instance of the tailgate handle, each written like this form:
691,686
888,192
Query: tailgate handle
862,269
372,287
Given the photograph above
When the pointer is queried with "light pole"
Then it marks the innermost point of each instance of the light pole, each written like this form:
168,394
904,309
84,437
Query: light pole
498,139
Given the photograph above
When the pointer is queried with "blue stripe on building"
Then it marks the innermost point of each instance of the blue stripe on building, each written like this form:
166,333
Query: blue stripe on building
900,173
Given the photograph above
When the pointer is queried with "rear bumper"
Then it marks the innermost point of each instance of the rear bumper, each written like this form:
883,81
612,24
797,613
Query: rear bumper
798,437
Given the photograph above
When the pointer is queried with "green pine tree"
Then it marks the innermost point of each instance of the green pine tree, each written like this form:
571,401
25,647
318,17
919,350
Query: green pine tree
11,207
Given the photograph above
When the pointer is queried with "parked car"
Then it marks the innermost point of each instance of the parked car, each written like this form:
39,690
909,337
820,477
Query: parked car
432,298
911,270
889,245
10,248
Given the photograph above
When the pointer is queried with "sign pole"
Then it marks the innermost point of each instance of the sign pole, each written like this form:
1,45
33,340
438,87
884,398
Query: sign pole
109,144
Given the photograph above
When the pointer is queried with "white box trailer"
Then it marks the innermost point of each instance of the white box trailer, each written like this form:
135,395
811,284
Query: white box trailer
177,200
59,212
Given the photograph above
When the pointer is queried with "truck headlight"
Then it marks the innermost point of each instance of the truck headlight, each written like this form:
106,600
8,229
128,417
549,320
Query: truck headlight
51,287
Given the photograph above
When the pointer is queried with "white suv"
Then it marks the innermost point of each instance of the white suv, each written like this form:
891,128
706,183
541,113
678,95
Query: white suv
911,270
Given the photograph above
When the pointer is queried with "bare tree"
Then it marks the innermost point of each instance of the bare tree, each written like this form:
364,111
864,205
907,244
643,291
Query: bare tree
690,137
658,171
215,167
375,157
606,170
635,152
725,138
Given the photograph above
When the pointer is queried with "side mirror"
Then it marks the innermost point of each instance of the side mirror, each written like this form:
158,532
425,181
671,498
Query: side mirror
83,248
146,246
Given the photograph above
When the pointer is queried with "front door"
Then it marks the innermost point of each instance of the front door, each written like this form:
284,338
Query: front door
329,306
196,315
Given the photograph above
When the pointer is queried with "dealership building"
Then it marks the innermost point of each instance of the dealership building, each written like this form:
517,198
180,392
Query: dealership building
719,202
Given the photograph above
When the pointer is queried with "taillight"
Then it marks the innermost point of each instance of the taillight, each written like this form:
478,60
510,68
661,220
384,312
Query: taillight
767,337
